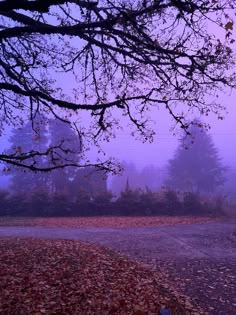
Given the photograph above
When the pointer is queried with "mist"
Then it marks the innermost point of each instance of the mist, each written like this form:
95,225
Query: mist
117,157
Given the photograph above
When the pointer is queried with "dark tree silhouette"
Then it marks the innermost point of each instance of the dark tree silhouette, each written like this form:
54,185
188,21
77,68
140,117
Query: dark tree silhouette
230,185
67,149
123,55
196,167
149,177
130,172
68,181
28,138
90,181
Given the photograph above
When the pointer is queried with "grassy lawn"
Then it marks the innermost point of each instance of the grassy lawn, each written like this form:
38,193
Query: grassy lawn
41,276
115,222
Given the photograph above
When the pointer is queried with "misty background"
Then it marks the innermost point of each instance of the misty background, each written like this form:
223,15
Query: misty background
145,164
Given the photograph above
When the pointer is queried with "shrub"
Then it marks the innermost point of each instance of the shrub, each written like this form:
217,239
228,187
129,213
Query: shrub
172,204
192,204
130,203
4,202
38,205
16,205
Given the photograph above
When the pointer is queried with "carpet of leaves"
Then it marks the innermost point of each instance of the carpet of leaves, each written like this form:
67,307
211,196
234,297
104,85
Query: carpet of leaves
41,276
112,222
210,282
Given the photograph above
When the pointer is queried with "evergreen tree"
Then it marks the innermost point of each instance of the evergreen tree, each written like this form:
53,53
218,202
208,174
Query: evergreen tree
69,148
149,176
69,181
31,137
197,167
119,182
230,185
90,181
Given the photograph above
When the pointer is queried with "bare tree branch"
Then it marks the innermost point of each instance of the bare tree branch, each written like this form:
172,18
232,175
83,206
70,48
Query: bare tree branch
120,55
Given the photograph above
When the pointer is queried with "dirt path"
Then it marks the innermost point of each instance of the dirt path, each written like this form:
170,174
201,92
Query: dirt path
200,259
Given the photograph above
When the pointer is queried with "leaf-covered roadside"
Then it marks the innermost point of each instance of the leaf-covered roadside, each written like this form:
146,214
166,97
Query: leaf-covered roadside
113,222
69,277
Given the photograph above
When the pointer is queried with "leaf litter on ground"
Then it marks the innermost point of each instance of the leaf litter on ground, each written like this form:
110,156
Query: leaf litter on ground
41,276
113,222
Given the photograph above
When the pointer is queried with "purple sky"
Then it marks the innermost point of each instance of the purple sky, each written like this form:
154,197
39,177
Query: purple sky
125,147
157,153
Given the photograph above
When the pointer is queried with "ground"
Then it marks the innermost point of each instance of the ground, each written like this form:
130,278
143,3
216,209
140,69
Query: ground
115,222
195,260
41,276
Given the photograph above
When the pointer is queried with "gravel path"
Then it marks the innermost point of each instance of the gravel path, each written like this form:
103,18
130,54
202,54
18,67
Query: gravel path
199,259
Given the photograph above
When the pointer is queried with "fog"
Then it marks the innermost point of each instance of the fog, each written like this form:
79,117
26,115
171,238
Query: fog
133,153
82,85
125,147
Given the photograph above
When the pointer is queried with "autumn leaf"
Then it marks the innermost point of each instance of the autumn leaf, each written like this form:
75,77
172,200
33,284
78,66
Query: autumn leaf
40,276
100,222
229,26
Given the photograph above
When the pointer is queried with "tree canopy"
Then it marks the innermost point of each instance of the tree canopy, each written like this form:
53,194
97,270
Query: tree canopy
197,167
119,56
69,181
24,139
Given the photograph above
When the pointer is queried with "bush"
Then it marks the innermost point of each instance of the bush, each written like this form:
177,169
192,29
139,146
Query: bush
4,202
192,204
172,204
60,205
130,203
37,205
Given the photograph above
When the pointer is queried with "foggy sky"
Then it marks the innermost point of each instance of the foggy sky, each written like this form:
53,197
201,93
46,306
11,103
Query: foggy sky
125,147
161,150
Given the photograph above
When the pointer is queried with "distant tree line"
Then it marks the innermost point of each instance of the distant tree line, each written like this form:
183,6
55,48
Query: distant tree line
149,176
130,203
195,167
194,173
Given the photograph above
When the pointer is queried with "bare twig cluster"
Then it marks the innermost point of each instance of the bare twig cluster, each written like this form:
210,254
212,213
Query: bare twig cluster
124,56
